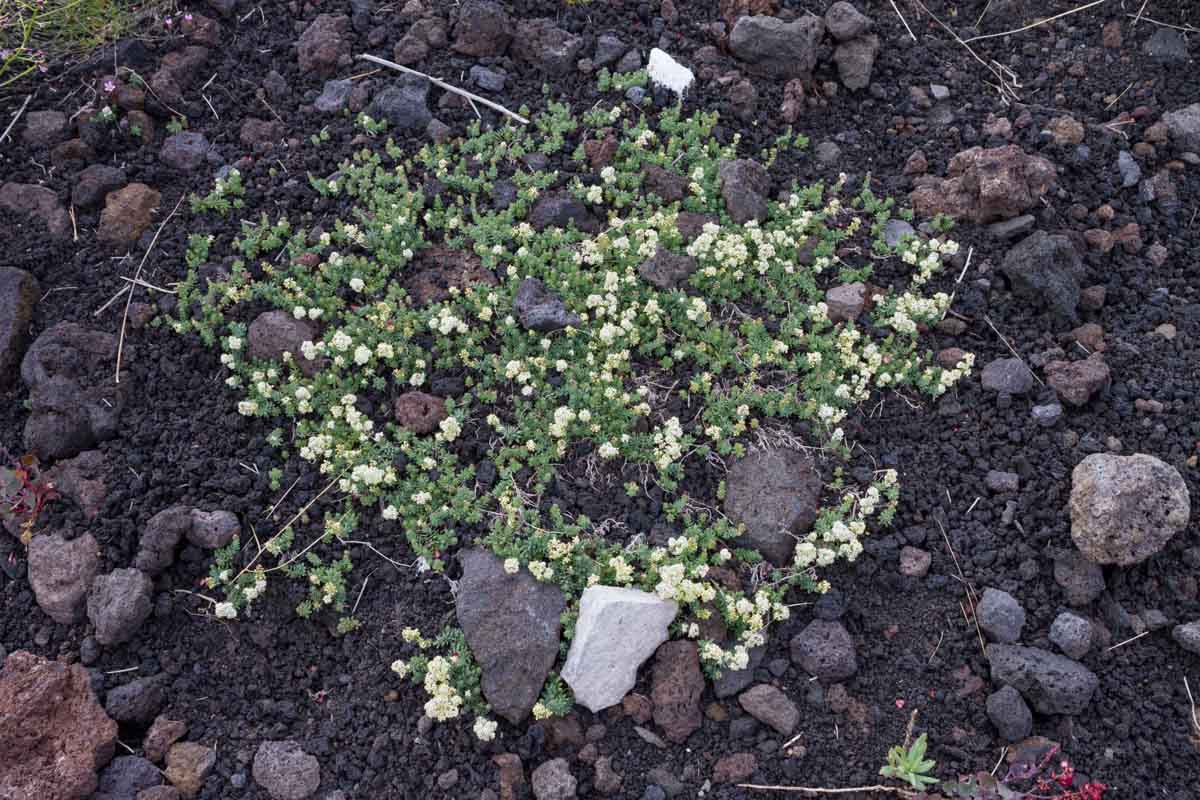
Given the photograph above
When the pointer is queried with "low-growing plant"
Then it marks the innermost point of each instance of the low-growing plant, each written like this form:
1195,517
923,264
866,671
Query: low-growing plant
646,382
909,764
24,492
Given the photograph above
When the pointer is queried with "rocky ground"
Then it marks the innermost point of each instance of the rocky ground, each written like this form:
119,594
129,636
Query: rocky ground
1040,578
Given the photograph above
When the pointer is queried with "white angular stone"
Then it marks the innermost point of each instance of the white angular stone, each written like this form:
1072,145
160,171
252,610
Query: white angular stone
617,630
667,72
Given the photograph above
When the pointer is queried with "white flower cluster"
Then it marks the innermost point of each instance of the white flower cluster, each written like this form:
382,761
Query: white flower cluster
913,308
926,256
841,538
444,700
668,443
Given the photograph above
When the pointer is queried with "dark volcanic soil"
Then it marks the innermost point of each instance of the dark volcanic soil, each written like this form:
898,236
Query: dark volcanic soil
274,676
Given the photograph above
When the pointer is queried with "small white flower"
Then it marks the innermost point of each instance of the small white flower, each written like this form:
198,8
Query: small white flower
485,729
225,611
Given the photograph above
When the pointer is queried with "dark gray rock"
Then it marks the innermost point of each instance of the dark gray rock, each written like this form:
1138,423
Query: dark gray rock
285,771
855,59
546,46
483,29
825,650
1081,580
1167,46
160,538
1000,616
74,402
125,777
213,529
137,702
630,62
186,151
895,230
667,270
118,604
1007,376
745,187
1012,228
1072,634
1047,416
94,183
1187,636
845,22
774,494
770,46
997,481
560,210
44,128
1184,127
1009,713
19,296
403,104
733,681
541,310
1131,173
60,573
334,96
1045,270
489,80
553,781
1051,683
771,707
609,49
36,203
512,625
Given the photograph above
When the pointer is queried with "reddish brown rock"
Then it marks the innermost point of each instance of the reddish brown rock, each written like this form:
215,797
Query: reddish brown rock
274,333
438,269
846,302
512,775
916,163
1110,35
949,357
793,101
600,152
676,689
60,573
36,203
637,707
323,43
1076,381
127,214
54,736
162,734
419,412
985,185
735,768
262,132
82,479
1090,335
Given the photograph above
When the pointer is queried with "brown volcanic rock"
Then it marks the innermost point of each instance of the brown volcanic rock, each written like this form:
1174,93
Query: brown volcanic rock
54,736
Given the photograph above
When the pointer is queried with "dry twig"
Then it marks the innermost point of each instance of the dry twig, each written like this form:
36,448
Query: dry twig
1007,93
137,277
1038,23
1011,349
903,21
443,85
16,117
812,791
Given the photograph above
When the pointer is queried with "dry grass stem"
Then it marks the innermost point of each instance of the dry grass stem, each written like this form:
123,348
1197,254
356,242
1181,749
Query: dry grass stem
137,276
1039,22
443,85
